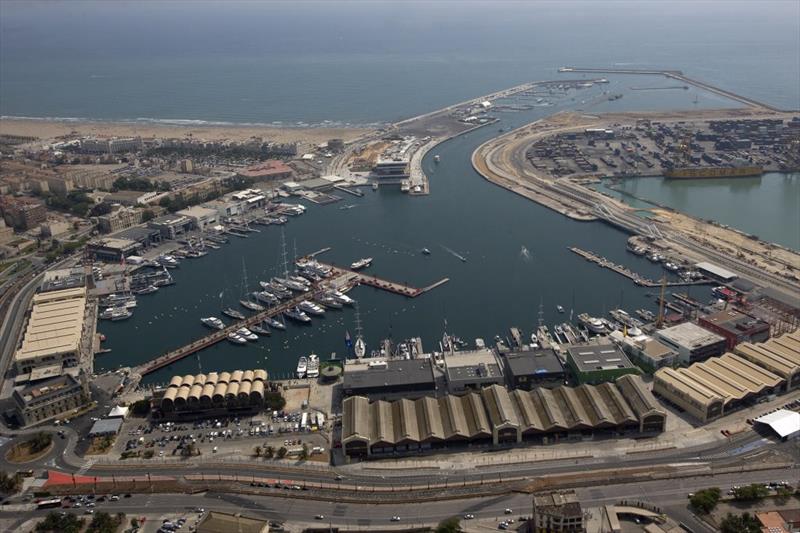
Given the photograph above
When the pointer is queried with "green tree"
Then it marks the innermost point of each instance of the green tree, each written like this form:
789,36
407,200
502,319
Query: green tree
269,452
40,441
10,484
105,523
58,523
103,208
273,401
148,214
304,452
449,525
135,523
744,523
282,451
783,494
750,493
140,407
705,500
258,451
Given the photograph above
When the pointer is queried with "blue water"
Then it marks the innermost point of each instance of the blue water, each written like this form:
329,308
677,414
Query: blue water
359,62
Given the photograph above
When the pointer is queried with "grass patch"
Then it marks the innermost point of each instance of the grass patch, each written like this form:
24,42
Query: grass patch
28,451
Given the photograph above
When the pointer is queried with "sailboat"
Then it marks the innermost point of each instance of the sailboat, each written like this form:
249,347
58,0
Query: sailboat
229,311
360,347
247,301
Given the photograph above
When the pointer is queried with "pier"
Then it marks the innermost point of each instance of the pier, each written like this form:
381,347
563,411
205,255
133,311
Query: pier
625,271
342,278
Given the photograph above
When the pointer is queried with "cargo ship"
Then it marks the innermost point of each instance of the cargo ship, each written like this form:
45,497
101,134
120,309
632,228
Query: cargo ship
713,172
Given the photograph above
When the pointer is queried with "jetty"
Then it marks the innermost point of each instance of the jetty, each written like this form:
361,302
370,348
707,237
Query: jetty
341,278
638,279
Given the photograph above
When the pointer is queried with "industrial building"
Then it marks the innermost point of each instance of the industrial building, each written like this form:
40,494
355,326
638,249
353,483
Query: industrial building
497,415
50,399
112,249
536,368
202,217
716,272
381,379
472,370
691,342
645,351
390,170
225,391
171,226
736,327
556,512
597,363
712,388
56,331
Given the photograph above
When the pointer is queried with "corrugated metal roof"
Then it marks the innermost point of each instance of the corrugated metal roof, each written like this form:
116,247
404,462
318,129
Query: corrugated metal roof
638,396
499,406
529,416
687,386
750,369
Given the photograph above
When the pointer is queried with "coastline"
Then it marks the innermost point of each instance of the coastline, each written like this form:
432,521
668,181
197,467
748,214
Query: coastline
50,129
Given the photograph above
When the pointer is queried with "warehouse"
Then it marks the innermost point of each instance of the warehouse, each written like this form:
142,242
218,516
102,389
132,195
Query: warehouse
597,363
497,416
716,272
54,333
717,386
472,370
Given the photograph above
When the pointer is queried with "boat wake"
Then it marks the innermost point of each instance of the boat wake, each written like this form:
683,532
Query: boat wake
524,254
454,253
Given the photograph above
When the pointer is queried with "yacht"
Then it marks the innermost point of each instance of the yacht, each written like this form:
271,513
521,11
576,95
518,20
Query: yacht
291,284
342,297
167,261
328,301
279,290
311,308
302,366
361,263
213,322
261,330
296,314
274,323
301,280
236,339
251,305
312,367
233,313
595,325
150,289
116,313
246,334
436,158
266,297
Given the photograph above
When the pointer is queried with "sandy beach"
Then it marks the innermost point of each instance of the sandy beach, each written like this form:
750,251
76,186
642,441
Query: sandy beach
44,129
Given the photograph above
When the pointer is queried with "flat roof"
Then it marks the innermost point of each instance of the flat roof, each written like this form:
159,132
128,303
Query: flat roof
734,321
472,364
596,357
55,325
115,243
534,362
716,270
198,211
397,373
689,335
782,421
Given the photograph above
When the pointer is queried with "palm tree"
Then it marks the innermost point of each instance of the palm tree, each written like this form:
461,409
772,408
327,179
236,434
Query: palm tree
258,451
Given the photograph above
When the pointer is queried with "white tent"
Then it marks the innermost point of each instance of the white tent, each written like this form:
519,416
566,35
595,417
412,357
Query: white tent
783,422
118,412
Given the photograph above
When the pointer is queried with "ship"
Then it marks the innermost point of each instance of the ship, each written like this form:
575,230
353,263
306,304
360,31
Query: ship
594,325
296,314
560,309
266,297
213,322
233,313
150,289
312,368
360,348
302,366
327,300
116,313
436,158
685,173
361,263
341,297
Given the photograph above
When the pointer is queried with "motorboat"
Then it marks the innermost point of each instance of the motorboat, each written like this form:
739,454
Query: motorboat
213,322
361,263
302,367
266,297
425,251
560,309
593,324
312,366
328,301
233,313
236,339
342,297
